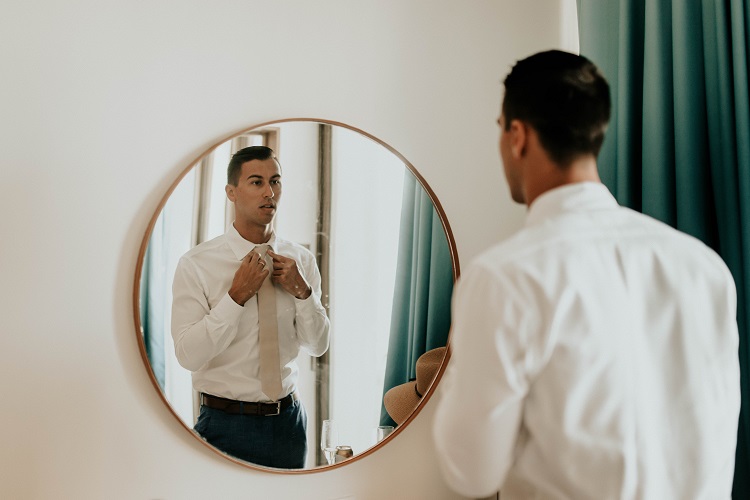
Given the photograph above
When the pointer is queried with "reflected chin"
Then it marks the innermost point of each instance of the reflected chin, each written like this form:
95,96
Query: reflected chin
518,197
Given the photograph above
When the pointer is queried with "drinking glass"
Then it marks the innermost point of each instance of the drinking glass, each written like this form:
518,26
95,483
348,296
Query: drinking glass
382,431
329,438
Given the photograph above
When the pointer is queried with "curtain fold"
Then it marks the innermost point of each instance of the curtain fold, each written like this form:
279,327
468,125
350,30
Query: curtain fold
678,147
424,282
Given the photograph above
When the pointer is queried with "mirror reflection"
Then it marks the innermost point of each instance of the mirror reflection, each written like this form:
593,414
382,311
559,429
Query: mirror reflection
361,261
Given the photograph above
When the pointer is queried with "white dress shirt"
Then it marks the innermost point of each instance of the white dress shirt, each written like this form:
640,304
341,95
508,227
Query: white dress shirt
217,339
594,356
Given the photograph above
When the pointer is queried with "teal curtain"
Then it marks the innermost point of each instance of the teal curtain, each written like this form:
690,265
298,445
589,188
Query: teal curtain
152,304
678,147
424,282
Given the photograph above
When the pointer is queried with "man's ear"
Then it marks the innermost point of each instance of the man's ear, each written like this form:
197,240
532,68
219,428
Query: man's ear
230,192
518,138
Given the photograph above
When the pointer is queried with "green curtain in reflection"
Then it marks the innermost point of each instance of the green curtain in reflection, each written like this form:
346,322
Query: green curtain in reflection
424,282
152,304
678,147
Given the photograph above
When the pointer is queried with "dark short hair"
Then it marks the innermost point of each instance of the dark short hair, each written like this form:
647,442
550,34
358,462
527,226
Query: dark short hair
565,98
245,155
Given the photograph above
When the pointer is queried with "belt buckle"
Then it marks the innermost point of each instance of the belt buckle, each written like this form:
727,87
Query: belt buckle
277,410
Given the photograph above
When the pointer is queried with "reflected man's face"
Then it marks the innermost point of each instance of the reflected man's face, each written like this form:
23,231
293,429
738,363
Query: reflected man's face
257,193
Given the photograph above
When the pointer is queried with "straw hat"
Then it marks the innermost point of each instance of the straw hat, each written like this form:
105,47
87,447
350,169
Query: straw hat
400,401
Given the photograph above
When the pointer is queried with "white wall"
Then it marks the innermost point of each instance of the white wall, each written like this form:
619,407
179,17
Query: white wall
103,103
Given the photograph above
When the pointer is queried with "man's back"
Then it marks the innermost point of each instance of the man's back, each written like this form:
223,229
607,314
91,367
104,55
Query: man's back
607,348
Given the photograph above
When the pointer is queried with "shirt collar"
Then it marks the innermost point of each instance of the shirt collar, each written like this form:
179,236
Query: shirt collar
576,197
241,247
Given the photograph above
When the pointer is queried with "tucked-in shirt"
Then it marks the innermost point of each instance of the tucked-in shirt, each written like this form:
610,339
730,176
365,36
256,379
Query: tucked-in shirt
217,339
594,356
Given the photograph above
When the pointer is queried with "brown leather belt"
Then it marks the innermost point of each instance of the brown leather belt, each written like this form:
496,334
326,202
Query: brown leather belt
268,409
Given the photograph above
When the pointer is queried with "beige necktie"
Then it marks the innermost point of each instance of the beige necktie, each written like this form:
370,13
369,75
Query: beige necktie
268,338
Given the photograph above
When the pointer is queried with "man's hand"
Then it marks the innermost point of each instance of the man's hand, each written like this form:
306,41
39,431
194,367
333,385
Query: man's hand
286,273
248,278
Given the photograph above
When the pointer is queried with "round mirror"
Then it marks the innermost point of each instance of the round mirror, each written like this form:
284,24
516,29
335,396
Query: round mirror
387,263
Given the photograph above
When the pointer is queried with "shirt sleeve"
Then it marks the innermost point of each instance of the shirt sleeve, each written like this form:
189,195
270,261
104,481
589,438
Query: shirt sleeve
480,408
199,332
312,324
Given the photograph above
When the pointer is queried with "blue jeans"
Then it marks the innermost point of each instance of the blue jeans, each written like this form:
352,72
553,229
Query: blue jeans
274,441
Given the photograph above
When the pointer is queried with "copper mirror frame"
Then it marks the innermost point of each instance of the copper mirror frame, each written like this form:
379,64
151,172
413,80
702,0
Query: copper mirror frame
139,270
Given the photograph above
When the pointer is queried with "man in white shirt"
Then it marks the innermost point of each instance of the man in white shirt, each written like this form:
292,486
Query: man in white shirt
594,353
215,322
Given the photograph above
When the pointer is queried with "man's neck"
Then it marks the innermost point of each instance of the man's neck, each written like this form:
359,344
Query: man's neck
553,176
254,234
